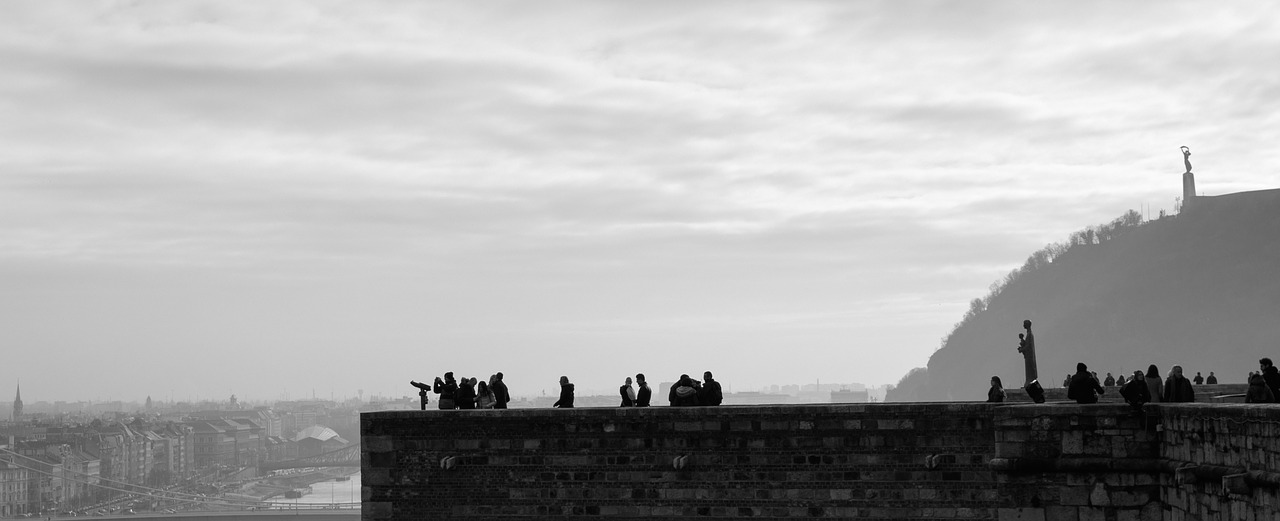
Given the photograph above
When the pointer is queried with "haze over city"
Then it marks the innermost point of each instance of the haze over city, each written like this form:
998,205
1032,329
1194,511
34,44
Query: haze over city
202,199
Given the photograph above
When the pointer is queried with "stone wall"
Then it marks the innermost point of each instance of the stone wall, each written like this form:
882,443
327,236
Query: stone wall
897,461
1228,457
1048,462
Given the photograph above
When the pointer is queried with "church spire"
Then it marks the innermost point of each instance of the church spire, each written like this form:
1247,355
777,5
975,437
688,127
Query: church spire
17,403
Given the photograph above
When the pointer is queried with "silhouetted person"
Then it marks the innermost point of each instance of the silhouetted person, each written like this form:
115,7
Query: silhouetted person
423,389
996,392
1109,381
671,393
1211,380
448,391
1155,384
1120,380
710,393
466,395
628,394
1198,379
484,396
501,396
566,394
683,393
1258,391
1084,386
1066,382
1177,388
1135,392
1270,375
644,394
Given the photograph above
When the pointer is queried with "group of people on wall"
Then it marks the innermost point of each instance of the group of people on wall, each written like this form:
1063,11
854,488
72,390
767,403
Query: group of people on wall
1142,388
469,393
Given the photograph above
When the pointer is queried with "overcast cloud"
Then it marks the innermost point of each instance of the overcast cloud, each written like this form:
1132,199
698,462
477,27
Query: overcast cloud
206,198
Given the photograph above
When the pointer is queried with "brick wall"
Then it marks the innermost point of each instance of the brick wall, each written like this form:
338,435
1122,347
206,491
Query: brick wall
1050,462
899,461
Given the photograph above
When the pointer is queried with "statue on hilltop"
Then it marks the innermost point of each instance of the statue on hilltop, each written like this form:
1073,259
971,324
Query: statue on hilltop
1186,158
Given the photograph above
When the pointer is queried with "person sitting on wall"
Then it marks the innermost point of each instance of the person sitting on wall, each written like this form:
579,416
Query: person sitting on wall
1177,388
1136,392
996,393
1084,386
1198,380
1109,381
1211,380
1120,380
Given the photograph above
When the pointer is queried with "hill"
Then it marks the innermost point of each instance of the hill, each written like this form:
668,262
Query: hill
1200,289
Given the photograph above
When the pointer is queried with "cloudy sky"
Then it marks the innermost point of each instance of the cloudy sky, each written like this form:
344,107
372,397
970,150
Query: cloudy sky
280,198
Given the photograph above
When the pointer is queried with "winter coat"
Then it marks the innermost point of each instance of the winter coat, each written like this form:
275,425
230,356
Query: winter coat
566,397
710,393
1258,391
1156,388
1178,389
1136,392
466,396
628,395
684,396
1272,376
995,394
500,394
644,395
448,391
1083,387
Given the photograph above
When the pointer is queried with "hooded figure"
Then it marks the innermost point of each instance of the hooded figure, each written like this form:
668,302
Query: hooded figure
1258,391
684,394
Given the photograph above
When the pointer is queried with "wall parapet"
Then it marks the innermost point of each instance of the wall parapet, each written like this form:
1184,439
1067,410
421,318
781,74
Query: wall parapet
1049,462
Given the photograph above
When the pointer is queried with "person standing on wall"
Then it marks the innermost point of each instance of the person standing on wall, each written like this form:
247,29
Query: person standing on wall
1198,380
1177,388
566,394
1211,380
645,394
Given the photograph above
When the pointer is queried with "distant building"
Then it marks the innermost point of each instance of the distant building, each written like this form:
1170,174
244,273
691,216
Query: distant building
17,405
14,497
316,440
850,396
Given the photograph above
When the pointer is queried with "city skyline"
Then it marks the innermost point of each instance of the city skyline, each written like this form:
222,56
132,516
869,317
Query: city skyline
214,198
